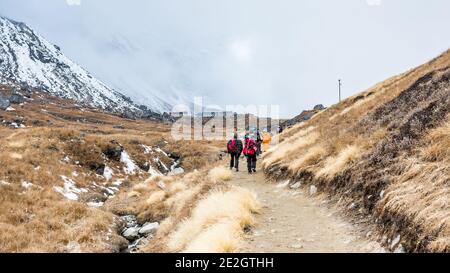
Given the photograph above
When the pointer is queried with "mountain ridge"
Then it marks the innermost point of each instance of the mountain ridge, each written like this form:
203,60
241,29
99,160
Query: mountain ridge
28,59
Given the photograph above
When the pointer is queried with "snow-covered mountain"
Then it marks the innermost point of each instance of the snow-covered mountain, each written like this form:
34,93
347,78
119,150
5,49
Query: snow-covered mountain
27,58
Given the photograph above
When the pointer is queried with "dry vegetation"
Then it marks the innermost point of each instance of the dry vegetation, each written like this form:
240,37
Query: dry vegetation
64,151
385,151
199,212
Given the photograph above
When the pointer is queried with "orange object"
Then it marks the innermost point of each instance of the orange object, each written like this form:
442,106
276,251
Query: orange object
266,139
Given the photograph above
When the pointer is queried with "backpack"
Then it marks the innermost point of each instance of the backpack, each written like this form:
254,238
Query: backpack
250,148
232,147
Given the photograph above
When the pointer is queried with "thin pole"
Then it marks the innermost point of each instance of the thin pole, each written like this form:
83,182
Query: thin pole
340,84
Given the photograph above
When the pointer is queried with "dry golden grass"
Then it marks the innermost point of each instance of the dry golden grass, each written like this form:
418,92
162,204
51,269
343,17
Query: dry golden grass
220,174
294,144
62,140
216,222
360,135
421,192
311,157
222,237
334,165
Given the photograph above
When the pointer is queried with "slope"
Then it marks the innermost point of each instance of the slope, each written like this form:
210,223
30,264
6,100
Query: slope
382,153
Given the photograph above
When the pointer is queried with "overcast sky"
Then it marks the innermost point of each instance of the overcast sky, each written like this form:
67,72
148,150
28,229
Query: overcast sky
287,52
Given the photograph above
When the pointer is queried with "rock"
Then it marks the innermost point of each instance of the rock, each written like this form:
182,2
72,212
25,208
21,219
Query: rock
128,114
400,249
319,107
118,127
176,171
4,103
149,228
297,246
113,150
296,185
161,185
283,184
312,190
73,247
395,241
100,170
129,220
16,98
131,233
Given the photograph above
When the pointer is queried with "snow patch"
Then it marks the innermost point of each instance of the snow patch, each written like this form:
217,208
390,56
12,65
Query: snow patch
130,166
70,190
4,183
95,204
27,185
147,149
108,173
118,182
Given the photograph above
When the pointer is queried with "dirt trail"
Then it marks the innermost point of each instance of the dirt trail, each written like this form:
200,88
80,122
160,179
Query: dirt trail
293,221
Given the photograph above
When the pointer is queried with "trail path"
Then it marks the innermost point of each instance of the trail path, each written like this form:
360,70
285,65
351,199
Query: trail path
293,221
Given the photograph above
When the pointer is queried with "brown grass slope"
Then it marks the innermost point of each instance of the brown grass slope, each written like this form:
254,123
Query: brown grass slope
59,139
385,152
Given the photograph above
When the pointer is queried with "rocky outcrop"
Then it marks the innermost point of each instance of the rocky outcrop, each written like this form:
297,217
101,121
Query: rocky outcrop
4,103
304,116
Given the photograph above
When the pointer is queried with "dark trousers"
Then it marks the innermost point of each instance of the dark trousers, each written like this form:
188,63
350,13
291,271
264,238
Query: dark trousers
234,162
258,149
251,162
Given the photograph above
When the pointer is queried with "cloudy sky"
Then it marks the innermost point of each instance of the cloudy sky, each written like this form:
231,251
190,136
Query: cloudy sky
290,53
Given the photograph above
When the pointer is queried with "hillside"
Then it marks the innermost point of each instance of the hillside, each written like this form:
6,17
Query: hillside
73,177
384,155
27,60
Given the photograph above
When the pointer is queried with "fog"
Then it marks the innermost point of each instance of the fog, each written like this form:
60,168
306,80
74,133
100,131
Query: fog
290,53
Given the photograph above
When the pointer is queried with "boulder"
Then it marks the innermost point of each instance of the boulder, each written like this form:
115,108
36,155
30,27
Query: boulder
131,233
4,103
128,115
176,171
319,107
118,127
149,228
313,190
16,98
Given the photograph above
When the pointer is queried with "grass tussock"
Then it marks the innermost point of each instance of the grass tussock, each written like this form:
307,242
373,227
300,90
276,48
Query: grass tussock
220,174
294,144
311,157
334,165
216,222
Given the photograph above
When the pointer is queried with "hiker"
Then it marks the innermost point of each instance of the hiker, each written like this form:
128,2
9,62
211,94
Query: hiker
250,153
234,148
247,136
266,139
258,143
